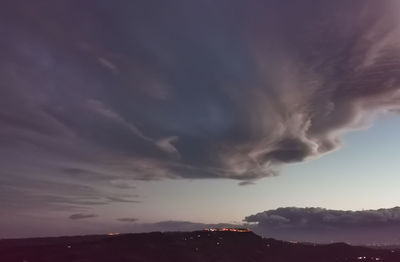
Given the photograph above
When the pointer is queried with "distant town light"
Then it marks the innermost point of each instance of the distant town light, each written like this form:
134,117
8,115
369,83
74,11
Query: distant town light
228,229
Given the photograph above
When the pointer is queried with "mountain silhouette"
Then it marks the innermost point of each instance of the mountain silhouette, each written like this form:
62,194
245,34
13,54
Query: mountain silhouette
198,246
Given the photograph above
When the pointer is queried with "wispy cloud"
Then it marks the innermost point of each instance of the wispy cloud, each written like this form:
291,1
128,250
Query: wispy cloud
82,216
127,219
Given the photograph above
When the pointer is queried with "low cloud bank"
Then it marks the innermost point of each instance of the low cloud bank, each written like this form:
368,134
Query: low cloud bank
326,225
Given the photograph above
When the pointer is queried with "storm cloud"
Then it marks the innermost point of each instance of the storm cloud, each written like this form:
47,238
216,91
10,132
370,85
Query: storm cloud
107,92
326,225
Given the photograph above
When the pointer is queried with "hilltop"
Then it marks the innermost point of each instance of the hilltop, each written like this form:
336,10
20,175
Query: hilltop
198,246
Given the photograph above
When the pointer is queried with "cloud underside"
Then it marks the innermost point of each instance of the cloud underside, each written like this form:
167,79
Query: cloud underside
109,92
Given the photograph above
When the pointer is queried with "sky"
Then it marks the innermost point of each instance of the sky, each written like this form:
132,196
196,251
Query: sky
169,115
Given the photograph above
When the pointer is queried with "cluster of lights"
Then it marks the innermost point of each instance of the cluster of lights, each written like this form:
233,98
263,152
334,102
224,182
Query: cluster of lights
228,229
372,258
113,234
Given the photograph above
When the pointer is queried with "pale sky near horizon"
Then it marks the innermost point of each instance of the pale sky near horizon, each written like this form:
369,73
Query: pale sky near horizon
363,174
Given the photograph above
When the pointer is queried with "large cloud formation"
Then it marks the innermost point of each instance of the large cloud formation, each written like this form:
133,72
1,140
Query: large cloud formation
108,92
325,225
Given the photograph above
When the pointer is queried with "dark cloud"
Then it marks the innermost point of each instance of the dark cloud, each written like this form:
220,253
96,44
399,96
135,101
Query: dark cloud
128,219
325,225
246,183
104,91
122,200
123,184
21,194
81,216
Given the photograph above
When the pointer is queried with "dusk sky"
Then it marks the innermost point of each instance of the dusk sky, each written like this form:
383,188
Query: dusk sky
132,116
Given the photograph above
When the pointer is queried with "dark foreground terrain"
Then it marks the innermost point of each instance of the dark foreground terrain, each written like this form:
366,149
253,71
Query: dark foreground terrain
194,246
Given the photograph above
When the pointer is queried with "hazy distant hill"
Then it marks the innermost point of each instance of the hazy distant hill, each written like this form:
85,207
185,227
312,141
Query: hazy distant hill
183,246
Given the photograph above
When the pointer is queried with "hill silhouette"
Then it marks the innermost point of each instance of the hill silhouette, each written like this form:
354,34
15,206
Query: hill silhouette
198,246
